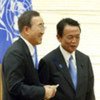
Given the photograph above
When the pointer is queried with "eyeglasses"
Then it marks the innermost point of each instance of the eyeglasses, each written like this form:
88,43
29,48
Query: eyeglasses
42,27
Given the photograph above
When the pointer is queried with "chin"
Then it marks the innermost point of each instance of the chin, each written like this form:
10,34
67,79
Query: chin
39,42
71,51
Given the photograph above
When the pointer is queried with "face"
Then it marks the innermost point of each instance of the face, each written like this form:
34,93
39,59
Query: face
35,32
70,38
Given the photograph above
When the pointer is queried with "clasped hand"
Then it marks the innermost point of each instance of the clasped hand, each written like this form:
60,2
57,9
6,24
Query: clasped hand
50,91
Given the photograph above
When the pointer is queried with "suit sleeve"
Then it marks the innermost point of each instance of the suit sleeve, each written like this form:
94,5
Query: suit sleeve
90,94
44,72
48,74
14,73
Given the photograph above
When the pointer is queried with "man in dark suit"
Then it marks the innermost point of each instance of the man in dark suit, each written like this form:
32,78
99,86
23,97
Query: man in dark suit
55,68
20,77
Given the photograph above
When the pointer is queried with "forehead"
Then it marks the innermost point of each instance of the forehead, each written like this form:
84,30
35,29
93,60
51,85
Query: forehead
71,29
37,20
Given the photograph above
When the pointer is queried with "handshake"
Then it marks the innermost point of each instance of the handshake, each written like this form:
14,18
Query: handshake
50,91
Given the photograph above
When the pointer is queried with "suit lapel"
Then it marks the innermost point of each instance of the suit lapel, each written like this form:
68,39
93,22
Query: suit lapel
26,50
62,67
29,63
80,71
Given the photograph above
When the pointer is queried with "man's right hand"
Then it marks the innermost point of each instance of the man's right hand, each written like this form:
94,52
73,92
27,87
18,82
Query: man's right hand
50,91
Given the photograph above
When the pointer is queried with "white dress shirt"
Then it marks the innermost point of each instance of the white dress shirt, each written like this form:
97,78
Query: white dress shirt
31,48
67,55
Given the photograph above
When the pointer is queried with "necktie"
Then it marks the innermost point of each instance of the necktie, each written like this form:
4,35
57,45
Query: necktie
73,71
35,58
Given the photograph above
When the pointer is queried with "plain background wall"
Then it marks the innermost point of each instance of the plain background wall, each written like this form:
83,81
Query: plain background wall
87,13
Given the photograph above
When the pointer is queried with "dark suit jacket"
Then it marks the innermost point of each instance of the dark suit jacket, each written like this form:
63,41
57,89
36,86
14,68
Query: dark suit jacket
53,70
20,78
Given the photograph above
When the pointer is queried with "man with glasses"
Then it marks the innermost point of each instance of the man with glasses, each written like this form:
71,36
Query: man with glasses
20,77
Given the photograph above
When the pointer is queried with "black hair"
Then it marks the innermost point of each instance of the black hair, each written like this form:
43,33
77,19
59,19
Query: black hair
66,21
25,19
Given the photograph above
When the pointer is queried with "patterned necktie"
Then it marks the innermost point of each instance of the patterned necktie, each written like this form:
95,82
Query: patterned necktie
73,72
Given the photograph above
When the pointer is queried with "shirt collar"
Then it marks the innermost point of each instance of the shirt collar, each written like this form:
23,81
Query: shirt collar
30,46
66,54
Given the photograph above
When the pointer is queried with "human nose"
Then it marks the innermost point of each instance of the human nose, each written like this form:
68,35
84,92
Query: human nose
74,39
43,29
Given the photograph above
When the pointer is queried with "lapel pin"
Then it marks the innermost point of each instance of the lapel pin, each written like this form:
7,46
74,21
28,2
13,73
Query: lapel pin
60,66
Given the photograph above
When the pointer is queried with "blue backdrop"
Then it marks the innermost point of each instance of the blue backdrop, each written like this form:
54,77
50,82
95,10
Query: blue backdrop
9,13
